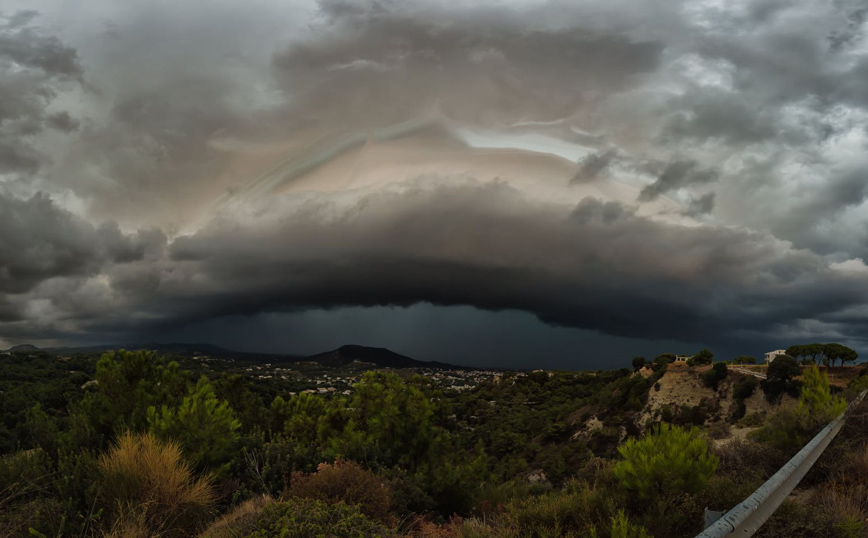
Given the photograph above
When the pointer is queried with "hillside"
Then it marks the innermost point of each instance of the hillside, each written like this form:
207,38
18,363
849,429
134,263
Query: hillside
342,356
377,356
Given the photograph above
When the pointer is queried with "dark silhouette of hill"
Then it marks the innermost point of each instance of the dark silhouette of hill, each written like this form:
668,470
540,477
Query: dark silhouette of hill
23,348
344,355
378,356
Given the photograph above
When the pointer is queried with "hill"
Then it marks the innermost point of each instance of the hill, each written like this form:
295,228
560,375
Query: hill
23,348
378,356
344,355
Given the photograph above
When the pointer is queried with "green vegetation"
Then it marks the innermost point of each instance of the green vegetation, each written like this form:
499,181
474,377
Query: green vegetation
134,444
669,460
827,353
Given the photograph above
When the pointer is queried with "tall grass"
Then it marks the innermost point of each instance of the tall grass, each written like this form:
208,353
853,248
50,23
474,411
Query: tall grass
148,488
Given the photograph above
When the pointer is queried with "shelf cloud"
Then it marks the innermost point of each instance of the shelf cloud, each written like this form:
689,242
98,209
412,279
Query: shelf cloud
661,171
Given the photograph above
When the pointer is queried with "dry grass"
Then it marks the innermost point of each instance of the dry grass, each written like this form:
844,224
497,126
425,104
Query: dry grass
846,505
148,487
856,468
241,521
424,528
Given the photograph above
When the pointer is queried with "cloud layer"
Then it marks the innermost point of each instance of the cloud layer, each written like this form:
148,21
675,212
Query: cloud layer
663,171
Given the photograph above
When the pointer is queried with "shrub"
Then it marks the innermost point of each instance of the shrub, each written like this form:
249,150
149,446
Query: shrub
714,376
203,425
795,520
667,461
704,356
622,528
846,506
348,482
240,521
744,389
576,511
146,484
310,518
816,402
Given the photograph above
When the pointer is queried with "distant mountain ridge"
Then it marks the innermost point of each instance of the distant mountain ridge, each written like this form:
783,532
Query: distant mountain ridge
342,356
380,356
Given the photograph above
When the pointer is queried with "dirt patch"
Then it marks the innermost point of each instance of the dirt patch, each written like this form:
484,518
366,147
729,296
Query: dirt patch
682,386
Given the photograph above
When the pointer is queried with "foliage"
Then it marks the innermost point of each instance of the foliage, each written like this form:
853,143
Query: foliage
714,376
346,482
623,528
816,401
576,511
128,383
240,521
665,358
744,389
791,429
704,356
390,418
205,427
310,518
783,368
638,363
780,374
828,353
147,484
744,359
669,460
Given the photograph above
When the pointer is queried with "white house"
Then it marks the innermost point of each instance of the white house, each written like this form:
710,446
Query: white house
682,358
772,355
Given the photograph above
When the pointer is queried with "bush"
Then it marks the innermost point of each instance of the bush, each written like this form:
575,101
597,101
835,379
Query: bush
241,521
574,512
744,389
846,506
147,485
714,376
310,518
704,356
346,482
204,426
816,401
622,528
794,520
669,460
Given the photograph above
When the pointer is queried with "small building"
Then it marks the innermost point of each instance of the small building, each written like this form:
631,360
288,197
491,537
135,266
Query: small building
772,355
682,358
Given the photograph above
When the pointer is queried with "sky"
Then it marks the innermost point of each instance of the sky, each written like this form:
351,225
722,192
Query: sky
506,183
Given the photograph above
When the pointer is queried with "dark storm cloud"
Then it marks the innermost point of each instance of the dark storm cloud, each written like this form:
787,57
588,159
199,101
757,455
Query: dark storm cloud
763,101
676,175
593,165
597,265
701,205
380,63
33,67
41,241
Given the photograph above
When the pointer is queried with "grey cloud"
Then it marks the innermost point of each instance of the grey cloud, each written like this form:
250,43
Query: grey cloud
62,121
701,205
485,245
40,241
488,68
675,175
770,93
593,165
33,67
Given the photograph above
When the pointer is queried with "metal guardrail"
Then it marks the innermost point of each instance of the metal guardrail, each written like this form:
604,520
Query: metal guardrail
746,518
